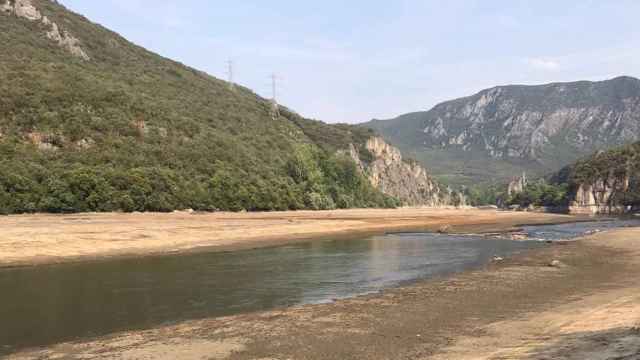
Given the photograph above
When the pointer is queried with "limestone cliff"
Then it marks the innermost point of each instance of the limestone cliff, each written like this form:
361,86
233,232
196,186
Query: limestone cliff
601,196
606,183
526,122
406,180
509,129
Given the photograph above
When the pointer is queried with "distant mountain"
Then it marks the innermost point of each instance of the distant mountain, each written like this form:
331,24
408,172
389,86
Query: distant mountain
500,132
92,122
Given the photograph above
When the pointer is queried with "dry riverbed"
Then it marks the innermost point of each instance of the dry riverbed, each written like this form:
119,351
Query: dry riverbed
585,307
39,239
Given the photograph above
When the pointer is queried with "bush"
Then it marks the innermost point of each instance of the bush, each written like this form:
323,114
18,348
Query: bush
541,194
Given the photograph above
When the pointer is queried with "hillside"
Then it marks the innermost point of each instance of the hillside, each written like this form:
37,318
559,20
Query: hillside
605,182
501,132
92,122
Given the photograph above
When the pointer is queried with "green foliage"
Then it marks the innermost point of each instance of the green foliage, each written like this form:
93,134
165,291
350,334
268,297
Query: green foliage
616,162
619,163
541,193
483,195
330,181
132,131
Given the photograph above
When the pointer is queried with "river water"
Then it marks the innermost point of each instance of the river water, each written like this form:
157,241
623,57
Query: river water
49,304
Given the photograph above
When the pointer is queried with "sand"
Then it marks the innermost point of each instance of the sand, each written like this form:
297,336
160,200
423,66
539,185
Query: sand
40,239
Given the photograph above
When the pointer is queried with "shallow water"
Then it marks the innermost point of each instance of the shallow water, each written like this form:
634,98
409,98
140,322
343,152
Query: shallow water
49,304
570,231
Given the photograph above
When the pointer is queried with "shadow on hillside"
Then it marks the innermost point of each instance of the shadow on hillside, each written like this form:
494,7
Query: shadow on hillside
612,344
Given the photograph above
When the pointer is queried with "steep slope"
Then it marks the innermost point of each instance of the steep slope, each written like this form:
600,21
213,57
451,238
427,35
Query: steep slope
91,122
404,179
502,131
607,182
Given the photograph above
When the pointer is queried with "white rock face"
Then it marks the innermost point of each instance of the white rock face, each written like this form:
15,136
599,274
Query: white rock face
517,185
6,7
25,9
67,41
407,181
21,8
528,122
599,197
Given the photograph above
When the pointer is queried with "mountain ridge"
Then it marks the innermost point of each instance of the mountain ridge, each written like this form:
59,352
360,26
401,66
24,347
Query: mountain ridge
505,130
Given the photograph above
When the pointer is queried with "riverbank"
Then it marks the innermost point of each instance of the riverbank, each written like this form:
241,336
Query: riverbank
44,239
586,306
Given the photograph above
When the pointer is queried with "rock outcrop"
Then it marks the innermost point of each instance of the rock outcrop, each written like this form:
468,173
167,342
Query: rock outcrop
600,196
405,180
608,182
25,9
517,185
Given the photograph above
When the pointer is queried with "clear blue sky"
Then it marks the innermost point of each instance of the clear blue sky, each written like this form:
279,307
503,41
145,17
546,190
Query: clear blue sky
351,61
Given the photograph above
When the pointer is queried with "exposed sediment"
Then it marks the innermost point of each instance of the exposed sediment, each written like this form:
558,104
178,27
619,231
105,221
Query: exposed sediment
40,239
518,308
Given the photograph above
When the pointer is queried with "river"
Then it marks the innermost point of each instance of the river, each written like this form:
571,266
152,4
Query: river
49,304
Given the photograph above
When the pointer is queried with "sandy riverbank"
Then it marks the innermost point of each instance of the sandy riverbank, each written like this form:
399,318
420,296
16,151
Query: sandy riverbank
520,308
39,239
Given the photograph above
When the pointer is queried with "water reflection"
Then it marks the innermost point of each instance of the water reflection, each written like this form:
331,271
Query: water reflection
56,303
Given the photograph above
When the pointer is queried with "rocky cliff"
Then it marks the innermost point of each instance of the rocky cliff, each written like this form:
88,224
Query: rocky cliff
600,196
405,180
533,128
605,183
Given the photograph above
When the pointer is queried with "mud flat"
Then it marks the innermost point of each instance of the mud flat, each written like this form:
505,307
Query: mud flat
585,306
41,239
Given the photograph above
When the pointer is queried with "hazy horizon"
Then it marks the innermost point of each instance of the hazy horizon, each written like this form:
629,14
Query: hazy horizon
364,60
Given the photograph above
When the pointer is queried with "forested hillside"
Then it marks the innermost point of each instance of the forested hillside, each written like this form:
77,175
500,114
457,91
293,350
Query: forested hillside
91,122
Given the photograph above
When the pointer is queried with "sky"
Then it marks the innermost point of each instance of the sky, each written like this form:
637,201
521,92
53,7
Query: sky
352,61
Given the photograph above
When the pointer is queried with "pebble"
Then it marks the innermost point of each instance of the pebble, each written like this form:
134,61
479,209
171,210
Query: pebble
556,263
444,229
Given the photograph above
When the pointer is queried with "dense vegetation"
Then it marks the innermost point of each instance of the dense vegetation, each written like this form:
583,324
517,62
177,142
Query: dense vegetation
608,168
132,131
540,194
483,195
619,163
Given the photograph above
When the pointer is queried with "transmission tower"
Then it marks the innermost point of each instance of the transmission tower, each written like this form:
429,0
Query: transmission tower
275,112
232,85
